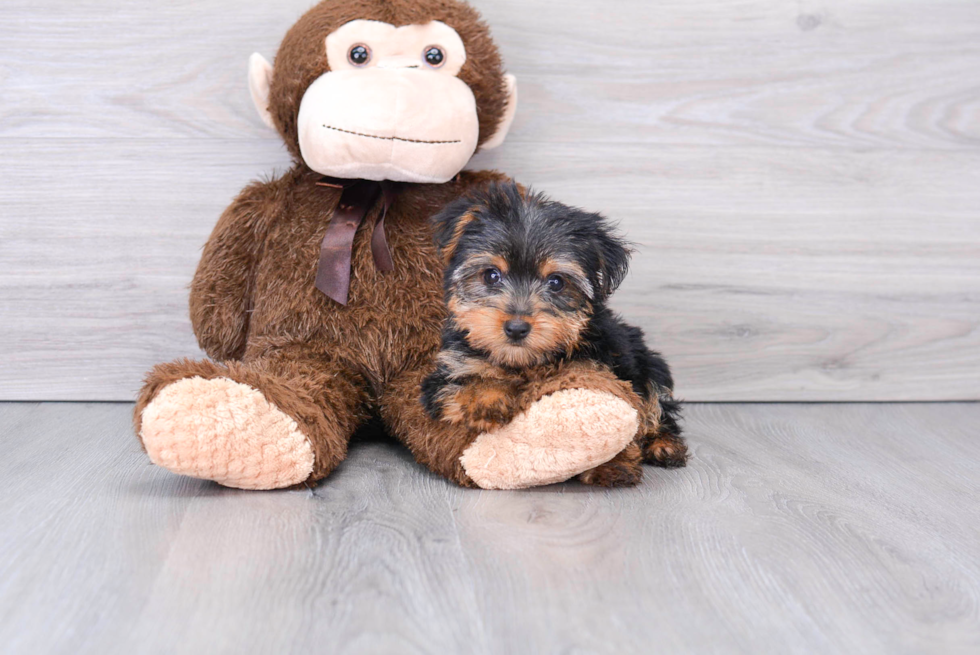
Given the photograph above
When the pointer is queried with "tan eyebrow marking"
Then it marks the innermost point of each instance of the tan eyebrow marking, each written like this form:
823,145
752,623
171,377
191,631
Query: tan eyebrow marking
549,266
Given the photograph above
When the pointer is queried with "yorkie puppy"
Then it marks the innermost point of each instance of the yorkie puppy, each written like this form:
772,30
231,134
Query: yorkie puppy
527,281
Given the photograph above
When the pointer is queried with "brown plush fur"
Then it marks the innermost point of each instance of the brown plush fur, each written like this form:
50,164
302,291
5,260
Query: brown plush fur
254,305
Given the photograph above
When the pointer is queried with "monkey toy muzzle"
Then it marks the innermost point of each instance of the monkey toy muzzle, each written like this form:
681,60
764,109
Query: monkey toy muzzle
406,125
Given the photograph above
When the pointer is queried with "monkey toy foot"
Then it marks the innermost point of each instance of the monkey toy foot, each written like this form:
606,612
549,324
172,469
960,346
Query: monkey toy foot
222,430
556,438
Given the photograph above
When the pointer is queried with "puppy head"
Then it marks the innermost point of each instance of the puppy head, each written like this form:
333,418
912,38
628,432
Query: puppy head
524,273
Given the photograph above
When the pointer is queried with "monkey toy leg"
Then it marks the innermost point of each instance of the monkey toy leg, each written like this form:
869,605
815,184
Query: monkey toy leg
268,423
573,421
435,444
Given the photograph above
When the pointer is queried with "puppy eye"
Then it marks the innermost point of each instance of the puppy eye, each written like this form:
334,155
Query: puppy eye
359,54
492,277
434,56
555,283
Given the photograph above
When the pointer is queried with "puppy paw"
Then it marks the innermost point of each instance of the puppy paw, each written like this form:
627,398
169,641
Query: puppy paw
623,470
481,406
665,450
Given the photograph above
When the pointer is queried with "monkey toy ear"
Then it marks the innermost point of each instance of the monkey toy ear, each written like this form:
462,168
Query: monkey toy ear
510,82
259,82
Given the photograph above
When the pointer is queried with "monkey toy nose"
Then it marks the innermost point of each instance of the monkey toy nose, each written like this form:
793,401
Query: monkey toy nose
516,329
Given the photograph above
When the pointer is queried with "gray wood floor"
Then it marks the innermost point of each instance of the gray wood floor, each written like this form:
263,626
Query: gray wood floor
796,528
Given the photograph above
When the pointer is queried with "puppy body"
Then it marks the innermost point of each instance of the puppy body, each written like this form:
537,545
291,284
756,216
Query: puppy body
527,281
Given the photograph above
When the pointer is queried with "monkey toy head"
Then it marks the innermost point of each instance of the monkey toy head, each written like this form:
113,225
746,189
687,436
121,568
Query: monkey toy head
401,90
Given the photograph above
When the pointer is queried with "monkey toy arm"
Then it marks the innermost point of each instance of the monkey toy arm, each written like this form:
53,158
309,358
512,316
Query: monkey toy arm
221,293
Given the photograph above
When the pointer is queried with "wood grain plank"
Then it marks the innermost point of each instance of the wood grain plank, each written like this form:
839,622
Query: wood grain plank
777,274
103,552
795,528
815,72
370,564
866,73
87,523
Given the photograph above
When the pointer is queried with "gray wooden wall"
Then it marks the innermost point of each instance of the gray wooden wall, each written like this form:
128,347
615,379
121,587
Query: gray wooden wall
802,178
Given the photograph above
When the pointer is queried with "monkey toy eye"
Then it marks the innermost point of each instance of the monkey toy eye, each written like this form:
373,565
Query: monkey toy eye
492,277
359,54
434,56
556,283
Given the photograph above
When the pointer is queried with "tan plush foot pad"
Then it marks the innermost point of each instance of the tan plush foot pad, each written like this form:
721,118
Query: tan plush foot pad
558,437
225,431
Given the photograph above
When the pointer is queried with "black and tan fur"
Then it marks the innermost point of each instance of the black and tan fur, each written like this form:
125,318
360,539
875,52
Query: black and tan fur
518,259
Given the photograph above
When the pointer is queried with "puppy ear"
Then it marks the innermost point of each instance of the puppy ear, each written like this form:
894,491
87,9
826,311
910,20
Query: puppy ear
450,224
613,254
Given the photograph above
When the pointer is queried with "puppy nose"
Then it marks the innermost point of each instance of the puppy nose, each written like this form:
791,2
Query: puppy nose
517,329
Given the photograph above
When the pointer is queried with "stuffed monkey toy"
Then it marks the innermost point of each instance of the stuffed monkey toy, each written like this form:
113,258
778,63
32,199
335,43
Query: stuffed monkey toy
318,297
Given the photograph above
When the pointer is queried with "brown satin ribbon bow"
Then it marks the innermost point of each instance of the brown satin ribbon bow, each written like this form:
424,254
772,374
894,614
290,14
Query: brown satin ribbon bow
356,200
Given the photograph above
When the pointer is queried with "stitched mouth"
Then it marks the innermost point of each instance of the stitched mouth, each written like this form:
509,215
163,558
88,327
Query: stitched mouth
389,138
